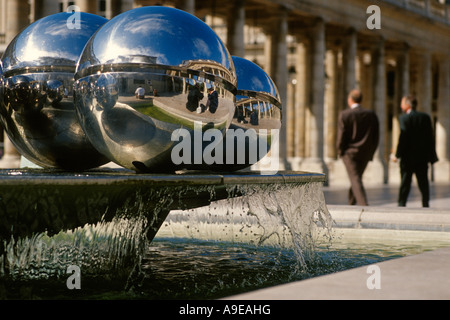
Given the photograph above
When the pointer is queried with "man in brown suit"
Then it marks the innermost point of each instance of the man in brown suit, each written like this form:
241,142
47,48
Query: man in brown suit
357,140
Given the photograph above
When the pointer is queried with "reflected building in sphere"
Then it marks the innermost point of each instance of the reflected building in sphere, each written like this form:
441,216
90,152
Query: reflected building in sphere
174,57
257,118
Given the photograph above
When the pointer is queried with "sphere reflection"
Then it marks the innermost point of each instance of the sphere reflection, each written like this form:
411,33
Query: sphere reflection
146,74
256,121
36,107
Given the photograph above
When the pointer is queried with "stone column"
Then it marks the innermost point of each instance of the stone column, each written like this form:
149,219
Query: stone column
315,121
424,88
276,54
36,10
126,5
347,81
402,85
44,8
366,77
11,157
331,104
427,7
442,167
115,8
235,30
377,172
289,121
302,89
87,6
401,89
188,6
17,19
349,62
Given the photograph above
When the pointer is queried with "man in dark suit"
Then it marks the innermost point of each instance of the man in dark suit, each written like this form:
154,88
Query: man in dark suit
357,140
415,150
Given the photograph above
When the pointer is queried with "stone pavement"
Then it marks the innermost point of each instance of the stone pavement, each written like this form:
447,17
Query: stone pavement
384,213
418,277
386,195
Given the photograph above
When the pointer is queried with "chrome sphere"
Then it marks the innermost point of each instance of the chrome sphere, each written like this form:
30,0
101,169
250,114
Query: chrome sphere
141,87
257,118
36,107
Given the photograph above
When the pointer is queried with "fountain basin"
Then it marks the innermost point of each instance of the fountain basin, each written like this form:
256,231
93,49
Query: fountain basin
42,200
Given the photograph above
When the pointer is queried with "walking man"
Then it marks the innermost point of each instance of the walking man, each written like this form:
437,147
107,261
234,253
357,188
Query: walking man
357,140
415,149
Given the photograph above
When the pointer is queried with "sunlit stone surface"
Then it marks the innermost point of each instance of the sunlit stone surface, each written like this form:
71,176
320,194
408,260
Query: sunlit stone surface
36,102
173,58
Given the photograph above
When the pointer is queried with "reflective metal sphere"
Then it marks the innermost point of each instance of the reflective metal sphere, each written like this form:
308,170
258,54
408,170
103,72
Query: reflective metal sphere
144,76
36,107
257,118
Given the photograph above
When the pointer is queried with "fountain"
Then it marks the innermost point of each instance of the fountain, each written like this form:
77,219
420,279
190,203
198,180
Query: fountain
172,142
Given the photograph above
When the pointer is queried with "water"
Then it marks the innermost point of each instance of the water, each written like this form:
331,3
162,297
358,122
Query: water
272,235
198,269
182,268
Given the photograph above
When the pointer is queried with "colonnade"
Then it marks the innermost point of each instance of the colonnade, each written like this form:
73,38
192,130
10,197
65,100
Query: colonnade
326,56
316,52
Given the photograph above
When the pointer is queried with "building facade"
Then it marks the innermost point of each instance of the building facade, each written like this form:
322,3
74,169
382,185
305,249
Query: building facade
316,51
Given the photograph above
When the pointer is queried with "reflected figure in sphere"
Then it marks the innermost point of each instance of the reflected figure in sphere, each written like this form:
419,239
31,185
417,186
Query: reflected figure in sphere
140,93
213,101
194,97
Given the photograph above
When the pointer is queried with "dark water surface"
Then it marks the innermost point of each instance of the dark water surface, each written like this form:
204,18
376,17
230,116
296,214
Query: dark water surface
189,269
286,236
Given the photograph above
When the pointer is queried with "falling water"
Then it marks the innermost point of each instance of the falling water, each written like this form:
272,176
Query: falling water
261,235
106,248
292,216
286,216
